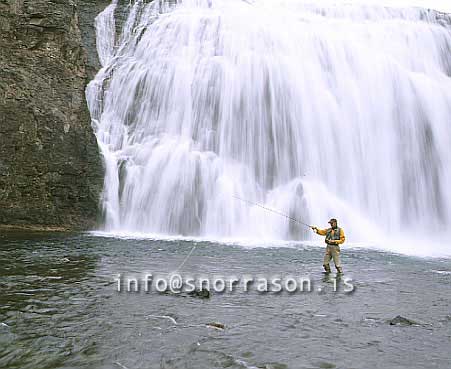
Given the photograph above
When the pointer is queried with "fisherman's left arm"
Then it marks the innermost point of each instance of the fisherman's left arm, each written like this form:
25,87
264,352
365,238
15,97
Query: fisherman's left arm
342,238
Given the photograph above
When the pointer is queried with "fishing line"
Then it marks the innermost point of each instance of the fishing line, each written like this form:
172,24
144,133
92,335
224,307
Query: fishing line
273,211
186,258
255,204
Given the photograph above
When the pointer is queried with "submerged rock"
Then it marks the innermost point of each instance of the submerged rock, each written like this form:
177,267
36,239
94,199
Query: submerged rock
216,325
202,294
400,320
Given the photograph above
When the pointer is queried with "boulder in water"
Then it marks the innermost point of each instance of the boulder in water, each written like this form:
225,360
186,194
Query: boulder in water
216,325
202,294
400,320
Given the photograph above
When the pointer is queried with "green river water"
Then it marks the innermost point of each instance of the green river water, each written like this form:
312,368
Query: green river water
60,308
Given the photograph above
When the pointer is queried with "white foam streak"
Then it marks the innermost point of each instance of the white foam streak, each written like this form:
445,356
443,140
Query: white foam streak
105,32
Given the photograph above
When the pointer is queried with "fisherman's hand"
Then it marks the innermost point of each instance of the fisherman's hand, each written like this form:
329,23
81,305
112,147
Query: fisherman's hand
314,228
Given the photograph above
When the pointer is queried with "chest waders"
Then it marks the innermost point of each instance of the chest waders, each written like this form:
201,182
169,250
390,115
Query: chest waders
332,251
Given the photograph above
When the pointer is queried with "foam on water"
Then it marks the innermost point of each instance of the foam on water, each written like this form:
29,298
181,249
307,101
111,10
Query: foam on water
414,248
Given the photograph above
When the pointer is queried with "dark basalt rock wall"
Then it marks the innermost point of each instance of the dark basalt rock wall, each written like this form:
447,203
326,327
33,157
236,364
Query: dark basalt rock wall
50,167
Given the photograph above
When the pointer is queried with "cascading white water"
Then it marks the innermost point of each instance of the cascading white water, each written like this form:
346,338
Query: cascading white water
315,110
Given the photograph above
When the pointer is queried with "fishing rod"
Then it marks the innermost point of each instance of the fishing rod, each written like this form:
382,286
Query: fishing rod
273,211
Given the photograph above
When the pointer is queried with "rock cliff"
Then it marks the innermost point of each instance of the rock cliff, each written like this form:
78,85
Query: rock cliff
50,167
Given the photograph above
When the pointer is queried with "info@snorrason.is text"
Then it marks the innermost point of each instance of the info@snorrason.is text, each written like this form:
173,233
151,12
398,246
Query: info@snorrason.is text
186,283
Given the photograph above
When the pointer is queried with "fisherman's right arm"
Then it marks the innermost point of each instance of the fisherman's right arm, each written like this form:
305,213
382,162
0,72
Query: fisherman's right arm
321,232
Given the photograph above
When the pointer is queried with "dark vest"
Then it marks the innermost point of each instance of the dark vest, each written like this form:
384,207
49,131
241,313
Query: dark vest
333,235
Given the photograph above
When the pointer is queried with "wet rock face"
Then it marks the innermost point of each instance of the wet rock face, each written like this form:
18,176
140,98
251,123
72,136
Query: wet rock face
50,167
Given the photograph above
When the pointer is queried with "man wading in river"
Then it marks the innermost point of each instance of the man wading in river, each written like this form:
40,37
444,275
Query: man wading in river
334,238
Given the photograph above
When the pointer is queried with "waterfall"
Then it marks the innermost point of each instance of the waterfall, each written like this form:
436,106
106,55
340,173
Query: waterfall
313,110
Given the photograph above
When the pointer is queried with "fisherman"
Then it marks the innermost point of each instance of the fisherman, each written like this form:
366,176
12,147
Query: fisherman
334,238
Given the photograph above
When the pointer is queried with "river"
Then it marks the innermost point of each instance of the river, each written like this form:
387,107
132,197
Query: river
60,308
